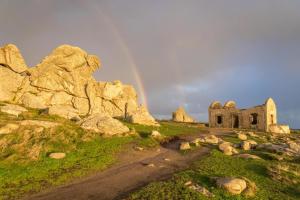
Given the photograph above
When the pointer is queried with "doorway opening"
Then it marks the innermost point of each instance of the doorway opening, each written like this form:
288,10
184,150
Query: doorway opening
219,120
236,121
254,118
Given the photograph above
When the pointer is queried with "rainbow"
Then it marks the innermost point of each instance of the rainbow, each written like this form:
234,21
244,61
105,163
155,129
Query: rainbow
125,49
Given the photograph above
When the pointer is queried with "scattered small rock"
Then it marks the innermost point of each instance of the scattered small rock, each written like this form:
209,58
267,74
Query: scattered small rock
156,134
185,146
202,190
150,165
167,159
196,142
57,155
226,148
252,134
253,143
139,148
232,185
246,145
8,128
242,136
212,139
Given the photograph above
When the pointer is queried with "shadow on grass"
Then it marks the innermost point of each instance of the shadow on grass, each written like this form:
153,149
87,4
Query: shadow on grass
144,134
258,169
293,191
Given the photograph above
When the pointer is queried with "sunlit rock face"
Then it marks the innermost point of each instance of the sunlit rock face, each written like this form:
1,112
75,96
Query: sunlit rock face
63,84
181,116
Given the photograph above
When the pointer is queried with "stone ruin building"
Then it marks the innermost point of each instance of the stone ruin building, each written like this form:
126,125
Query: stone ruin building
260,118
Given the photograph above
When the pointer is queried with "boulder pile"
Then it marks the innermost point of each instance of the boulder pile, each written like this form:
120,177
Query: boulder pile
62,84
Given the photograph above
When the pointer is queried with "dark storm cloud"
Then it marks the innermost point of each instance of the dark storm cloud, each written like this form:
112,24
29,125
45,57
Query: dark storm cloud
187,52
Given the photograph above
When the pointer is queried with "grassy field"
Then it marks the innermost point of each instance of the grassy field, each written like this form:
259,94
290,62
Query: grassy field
86,152
218,165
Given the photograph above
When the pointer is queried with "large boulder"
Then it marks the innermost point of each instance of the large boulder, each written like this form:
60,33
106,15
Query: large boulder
232,185
181,116
105,124
142,116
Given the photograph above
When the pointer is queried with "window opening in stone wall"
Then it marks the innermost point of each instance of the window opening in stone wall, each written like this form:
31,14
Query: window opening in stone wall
254,118
219,119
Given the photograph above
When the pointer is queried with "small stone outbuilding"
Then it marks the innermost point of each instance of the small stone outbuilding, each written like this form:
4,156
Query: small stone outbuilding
260,118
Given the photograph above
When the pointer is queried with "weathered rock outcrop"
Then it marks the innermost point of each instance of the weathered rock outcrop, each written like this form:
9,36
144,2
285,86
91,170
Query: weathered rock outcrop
141,116
181,116
63,84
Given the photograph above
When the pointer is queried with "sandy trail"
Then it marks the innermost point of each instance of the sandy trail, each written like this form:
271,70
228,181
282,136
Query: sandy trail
130,173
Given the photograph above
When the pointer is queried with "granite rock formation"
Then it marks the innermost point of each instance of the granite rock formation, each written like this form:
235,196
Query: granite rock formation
181,116
62,84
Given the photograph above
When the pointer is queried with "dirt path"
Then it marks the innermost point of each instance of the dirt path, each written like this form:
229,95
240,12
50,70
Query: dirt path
134,170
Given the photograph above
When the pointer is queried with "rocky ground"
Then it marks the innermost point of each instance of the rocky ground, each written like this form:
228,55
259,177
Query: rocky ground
231,155
241,165
40,151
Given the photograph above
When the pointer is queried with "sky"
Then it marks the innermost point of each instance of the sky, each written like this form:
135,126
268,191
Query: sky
176,53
